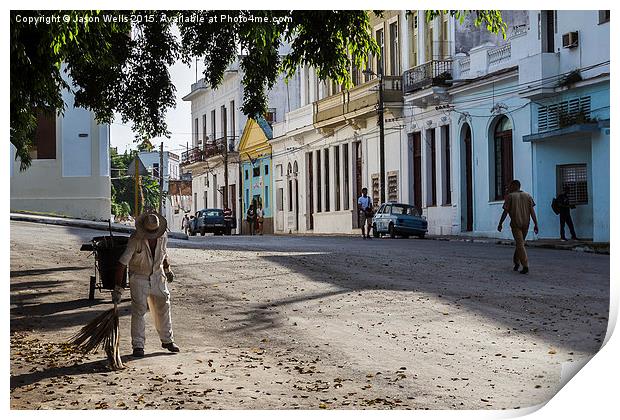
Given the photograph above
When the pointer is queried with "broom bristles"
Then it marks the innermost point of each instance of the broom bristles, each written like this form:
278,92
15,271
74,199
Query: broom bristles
103,331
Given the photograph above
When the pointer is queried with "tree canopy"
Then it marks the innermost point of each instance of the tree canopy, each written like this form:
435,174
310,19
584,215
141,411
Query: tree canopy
117,61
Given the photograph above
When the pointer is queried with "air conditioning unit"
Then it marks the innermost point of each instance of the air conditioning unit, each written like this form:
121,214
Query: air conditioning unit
570,39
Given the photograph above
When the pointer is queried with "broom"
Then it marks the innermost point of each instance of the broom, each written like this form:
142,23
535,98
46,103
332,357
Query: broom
103,331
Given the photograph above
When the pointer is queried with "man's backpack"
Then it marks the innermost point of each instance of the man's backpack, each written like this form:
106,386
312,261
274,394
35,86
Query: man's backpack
555,206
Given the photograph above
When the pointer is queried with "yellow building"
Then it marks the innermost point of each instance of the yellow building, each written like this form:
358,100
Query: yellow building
255,163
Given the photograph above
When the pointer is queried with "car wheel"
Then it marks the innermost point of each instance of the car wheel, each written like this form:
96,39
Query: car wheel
392,231
375,232
202,232
192,233
421,236
406,236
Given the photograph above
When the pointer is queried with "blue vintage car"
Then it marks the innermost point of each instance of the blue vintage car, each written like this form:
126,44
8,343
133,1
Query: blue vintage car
399,219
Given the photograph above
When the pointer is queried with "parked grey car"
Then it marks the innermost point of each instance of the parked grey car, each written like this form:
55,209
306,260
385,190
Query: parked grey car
399,219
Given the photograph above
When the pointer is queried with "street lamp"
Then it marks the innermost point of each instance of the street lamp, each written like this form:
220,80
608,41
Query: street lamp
381,128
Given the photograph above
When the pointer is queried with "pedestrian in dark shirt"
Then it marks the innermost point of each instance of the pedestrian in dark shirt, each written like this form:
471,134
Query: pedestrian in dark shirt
251,218
565,218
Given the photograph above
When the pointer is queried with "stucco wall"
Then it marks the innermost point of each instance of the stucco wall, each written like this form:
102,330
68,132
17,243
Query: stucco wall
77,182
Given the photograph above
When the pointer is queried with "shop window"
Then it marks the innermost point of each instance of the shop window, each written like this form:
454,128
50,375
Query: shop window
392,184
575,177
375,189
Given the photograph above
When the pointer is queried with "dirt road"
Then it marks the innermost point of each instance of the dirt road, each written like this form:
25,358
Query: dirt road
311,322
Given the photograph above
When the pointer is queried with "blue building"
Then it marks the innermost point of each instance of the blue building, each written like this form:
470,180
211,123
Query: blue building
255,161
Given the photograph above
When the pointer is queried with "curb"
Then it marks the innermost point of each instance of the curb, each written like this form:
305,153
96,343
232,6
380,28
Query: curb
88,224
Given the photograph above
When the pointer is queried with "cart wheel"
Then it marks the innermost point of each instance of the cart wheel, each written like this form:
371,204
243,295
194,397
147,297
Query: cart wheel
91,293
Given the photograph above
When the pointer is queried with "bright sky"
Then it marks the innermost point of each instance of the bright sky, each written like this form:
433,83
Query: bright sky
178,119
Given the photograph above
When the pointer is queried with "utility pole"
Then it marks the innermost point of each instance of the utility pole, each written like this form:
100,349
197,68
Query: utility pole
161,176
381,132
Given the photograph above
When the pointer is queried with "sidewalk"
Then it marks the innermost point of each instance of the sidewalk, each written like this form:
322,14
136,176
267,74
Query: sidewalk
89,224
580,245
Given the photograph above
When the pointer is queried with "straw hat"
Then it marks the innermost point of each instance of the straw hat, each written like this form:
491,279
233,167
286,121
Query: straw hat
151,225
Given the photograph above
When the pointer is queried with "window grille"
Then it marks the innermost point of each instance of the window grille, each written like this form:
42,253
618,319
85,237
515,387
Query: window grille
575,177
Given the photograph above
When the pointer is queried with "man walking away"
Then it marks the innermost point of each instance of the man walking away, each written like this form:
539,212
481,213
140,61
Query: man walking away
364,207
149,273
565,217
520,206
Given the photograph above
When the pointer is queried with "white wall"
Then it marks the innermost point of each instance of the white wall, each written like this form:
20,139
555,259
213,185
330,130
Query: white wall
77,182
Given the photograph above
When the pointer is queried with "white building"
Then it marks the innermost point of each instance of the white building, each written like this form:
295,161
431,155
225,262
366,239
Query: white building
327,151
70,171
535,109
151,161
217,124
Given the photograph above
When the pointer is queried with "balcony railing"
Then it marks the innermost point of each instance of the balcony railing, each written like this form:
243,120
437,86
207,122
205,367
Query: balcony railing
433,73
209,149
499,55
358,98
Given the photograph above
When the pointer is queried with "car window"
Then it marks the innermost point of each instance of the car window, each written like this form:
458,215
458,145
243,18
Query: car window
403,209
381,209
213,213
387,209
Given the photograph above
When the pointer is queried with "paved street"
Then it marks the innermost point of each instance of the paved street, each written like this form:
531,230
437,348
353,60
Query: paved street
311,322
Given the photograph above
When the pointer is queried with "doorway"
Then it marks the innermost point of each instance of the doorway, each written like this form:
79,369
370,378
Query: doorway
467,213
416,139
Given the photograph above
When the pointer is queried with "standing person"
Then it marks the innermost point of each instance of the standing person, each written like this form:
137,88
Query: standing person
251,218
149,272
260,219
364,207
185,223
520,206
565,217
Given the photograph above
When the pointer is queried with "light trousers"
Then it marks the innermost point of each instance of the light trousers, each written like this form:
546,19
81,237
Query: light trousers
520,255
149,294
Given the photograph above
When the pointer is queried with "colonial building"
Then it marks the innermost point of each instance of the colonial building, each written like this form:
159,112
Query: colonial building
70,171
535,109
329,149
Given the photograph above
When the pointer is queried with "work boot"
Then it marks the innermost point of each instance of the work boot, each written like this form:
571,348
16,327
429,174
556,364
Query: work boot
138,352
171,347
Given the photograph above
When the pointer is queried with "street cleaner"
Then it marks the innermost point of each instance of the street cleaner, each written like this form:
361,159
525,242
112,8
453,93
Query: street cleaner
149,273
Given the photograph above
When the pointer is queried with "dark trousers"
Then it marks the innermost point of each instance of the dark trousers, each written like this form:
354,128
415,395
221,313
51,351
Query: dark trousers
251,224
566,219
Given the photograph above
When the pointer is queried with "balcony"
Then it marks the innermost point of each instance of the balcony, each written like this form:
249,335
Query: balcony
433,73
209,150
358,103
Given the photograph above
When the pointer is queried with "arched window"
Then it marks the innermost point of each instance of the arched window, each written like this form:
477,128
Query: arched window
502,142
295,168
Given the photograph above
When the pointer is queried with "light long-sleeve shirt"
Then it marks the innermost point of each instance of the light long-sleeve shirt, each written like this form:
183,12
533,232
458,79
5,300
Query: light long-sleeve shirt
139,259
